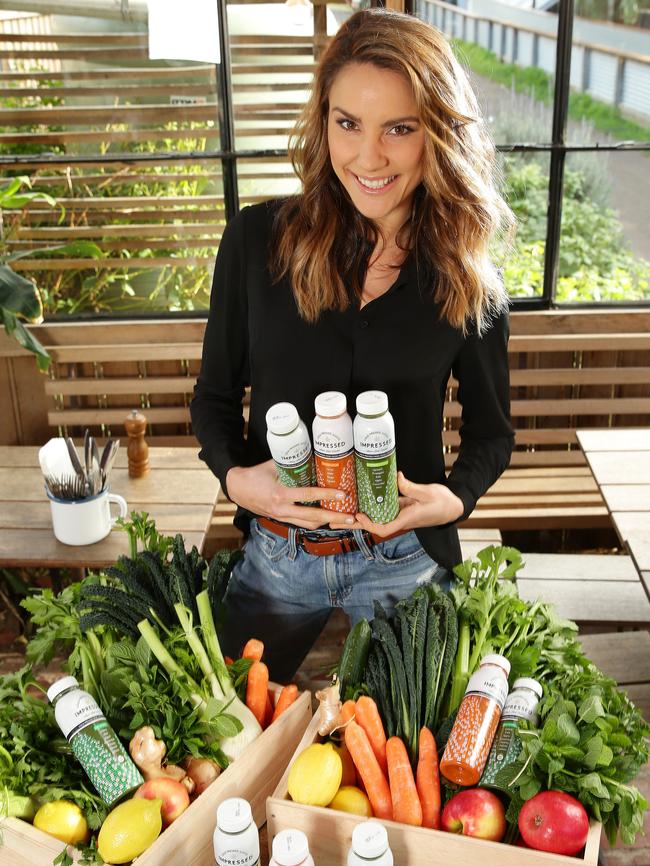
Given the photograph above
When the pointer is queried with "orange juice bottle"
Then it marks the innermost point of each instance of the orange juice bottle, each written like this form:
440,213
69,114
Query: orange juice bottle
471,737
334,450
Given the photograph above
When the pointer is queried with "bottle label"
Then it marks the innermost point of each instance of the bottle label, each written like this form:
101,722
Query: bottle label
294,456
488,683
377,486
521,705
299,475
76,710
237,857
505,750
103,757
338,473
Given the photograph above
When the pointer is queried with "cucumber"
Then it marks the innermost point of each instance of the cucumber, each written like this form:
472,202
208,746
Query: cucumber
352,667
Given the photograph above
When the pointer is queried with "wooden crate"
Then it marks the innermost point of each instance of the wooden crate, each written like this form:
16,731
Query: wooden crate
330,834
188,841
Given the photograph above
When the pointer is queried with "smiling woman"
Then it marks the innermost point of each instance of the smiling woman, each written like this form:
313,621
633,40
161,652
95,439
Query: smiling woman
375,277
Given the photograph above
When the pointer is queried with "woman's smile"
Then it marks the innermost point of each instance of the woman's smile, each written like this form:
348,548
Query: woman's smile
376,142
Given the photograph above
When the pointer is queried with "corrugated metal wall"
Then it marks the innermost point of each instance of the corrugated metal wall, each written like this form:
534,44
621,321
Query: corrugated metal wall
596,72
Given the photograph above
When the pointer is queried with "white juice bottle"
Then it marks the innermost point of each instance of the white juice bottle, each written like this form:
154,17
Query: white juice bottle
290,446
334,450
236,840
370,845
94,743
291,848
375,458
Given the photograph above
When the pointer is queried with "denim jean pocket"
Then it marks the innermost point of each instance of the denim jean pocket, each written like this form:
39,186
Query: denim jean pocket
270,545
402,550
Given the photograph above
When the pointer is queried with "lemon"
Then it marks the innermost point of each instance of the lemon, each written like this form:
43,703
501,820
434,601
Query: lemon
315,775
129,830
351,799
63,820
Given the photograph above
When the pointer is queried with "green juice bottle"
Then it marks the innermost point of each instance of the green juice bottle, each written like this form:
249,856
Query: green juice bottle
290,446
94,743
375,458
520,704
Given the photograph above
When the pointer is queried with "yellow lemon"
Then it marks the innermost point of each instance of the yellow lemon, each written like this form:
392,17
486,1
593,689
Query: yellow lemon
63,820
315,775
351,799
129,830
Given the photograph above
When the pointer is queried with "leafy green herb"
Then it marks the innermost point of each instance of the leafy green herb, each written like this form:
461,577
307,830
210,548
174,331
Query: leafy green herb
37,762
142,528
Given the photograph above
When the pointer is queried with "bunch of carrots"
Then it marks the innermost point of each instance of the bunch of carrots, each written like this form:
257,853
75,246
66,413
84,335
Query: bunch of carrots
259,699
385,769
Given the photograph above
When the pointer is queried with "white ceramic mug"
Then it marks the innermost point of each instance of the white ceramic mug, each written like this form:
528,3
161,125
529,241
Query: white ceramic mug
85,521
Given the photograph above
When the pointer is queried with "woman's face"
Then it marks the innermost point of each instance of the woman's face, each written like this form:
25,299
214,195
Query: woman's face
376,142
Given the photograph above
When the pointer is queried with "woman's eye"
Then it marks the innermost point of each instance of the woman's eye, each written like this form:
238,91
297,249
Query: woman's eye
401,129
346,124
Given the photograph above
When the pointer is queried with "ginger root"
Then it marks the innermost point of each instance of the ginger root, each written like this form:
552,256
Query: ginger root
148,755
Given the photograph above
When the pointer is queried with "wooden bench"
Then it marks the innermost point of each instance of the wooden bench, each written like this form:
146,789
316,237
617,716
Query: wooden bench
569,370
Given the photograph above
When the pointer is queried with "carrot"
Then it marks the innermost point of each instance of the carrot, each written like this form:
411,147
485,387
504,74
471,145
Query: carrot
287,696
253,650
370,720
257,690
366,764
228,660
406,803
348,711
427,780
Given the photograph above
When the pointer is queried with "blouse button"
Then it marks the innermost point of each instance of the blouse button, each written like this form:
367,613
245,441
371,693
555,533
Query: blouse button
364,323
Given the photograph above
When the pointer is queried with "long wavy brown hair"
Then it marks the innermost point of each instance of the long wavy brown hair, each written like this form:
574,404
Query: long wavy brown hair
320,239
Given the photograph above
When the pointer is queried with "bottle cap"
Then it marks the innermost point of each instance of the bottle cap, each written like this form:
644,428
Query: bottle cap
234,815
369,839
372,403
496,659
60,686
528,683
330,404
282,418
290,847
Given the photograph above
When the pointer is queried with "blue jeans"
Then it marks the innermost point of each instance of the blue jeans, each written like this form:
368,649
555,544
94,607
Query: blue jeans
284,596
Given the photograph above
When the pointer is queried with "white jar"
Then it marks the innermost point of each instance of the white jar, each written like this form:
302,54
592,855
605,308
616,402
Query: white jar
370,845
375,458
290,446
334,450
236,840
291,848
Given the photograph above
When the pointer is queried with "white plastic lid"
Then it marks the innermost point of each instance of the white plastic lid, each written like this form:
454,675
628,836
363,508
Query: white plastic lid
282,418
234,815
496,659
372,403
330,404
528,683
290,847
60,686
369,839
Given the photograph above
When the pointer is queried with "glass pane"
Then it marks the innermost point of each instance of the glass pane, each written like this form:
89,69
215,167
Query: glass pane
605,246
144,234
272,55
526,191
510,55
610,73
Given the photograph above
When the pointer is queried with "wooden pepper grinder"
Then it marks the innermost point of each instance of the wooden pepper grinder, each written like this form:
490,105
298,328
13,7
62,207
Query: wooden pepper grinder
137,450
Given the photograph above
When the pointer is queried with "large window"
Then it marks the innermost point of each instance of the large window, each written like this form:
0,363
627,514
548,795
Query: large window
140,155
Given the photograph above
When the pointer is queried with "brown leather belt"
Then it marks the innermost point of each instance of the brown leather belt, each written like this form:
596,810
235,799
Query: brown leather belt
324,546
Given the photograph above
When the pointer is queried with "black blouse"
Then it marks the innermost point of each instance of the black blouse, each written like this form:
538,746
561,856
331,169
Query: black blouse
396,343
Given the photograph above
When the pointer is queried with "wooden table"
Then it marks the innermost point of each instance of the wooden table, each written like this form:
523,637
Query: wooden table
178,492
619,459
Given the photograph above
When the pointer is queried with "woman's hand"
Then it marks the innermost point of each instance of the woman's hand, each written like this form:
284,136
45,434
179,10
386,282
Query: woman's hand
257,489
420,505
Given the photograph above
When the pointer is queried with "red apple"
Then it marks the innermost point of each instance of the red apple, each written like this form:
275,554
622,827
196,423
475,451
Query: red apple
173,794
554,821
475,812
